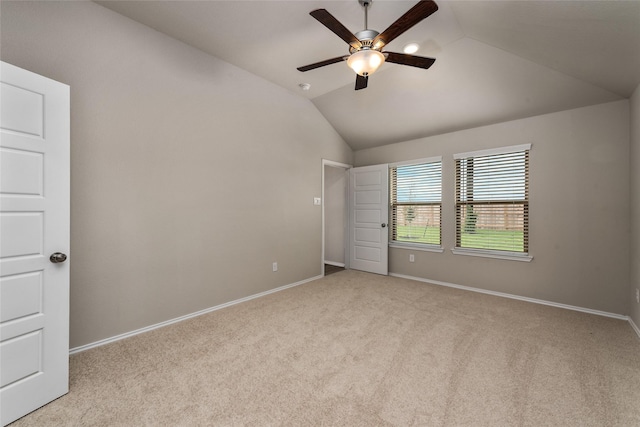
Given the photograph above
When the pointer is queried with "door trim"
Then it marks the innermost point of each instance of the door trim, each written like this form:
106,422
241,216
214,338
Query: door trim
346,167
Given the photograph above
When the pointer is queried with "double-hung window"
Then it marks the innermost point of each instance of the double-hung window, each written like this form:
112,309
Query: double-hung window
492,201
415,203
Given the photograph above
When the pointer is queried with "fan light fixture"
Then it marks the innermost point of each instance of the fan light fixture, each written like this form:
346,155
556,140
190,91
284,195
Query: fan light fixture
365,47
365,62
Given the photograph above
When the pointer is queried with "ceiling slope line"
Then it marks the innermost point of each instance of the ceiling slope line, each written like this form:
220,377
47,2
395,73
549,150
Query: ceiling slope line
564,73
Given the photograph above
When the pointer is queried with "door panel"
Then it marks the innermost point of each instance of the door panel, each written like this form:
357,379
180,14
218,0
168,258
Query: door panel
20,295
20,357
22,234
368,235
21,172
369,215
368,197
26,113
34,222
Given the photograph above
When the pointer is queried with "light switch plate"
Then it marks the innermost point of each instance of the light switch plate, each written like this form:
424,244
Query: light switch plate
317,201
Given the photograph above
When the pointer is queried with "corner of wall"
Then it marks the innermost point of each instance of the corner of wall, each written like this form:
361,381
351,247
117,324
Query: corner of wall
634,177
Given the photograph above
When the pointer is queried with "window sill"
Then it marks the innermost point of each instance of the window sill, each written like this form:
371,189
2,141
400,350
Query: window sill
511,256
417,247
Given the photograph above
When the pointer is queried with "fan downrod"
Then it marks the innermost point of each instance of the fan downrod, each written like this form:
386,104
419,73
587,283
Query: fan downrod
365,4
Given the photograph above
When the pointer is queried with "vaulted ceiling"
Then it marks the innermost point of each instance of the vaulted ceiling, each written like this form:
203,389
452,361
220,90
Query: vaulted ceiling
495,60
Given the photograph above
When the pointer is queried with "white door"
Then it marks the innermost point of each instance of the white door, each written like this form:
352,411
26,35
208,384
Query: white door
369,217
34,224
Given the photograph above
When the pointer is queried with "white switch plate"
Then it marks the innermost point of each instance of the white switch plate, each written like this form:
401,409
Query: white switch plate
412,258
317,201
275,266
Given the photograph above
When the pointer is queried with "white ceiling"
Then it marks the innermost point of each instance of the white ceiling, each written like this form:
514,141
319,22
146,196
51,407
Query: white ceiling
495,60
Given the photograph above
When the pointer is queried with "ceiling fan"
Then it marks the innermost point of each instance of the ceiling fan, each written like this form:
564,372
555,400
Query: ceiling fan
365,47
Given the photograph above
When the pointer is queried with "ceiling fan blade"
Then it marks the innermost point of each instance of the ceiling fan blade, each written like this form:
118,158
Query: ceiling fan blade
361,81
322,63
414,15
329,21
412,60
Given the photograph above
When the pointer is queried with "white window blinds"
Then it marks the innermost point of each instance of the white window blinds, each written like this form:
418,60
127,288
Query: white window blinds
492,200
415,197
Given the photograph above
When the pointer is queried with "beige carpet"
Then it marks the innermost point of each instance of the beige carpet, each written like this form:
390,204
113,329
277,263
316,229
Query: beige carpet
357,349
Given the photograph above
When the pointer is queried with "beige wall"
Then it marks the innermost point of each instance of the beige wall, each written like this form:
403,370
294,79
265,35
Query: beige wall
189,176
635,205
579,208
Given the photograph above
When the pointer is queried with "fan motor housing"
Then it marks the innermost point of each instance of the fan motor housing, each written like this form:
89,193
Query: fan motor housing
366,38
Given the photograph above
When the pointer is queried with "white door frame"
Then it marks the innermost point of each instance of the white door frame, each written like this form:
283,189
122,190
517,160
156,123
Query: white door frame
346,167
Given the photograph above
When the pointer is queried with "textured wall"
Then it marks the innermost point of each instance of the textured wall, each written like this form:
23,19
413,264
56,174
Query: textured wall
579,208
189,176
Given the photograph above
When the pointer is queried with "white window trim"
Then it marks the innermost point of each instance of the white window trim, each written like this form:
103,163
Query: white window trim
418,247
493,151
425,247
484,253
416,162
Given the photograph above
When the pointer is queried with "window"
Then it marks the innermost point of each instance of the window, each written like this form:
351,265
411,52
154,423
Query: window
492,200
415,197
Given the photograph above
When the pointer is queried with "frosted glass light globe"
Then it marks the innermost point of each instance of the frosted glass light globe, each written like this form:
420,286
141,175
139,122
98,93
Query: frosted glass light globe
365,62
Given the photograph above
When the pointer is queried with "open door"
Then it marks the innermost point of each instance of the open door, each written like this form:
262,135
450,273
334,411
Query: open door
34,221
368,219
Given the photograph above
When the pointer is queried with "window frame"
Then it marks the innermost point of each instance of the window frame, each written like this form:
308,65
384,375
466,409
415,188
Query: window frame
428,247
493,253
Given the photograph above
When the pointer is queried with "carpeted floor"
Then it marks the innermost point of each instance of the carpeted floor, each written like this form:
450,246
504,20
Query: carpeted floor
358,349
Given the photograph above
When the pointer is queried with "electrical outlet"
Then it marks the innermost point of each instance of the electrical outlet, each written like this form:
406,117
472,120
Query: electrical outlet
412,258
638,295
275,266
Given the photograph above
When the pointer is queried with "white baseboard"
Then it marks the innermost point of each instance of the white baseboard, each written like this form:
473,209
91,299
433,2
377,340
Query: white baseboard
281,288
188,316
517,297
334,263
634,326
